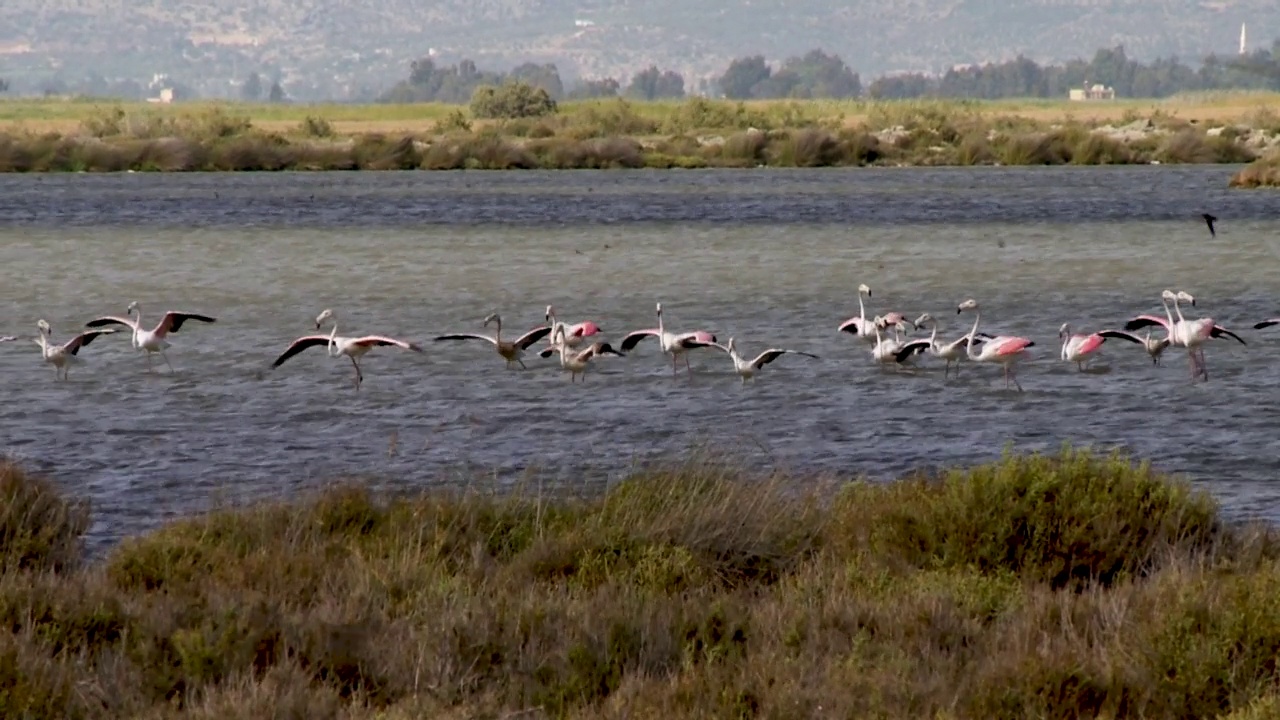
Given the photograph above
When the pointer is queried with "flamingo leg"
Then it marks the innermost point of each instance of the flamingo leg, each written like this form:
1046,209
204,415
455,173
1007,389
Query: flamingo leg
166,360
359,375
149,366
674,369
686,363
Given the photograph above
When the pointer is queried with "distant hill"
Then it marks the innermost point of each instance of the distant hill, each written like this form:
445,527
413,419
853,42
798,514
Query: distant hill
339,48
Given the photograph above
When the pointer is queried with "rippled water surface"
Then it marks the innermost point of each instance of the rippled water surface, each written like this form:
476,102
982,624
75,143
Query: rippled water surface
770,257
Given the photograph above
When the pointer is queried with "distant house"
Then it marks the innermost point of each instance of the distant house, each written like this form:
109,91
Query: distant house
166,97
1092,92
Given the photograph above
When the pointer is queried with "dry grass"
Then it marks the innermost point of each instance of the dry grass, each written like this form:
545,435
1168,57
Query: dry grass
1263,172
1056,587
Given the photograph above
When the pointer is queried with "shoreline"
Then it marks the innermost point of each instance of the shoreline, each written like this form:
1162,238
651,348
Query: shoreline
1061,585
619,134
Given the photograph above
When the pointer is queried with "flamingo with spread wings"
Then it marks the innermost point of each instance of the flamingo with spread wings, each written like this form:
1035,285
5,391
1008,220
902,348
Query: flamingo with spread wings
673,344
1191,334
576,361
1154,346
747,369
1005,350
866,329
352,347
953,351
509,350
63,356
153,340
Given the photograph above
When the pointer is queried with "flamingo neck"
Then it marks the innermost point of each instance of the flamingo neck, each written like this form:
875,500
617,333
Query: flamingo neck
968,348
933,336
862,310
333,339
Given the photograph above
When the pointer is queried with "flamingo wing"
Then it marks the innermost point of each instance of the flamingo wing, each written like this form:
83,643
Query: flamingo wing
383,341
633,339
1010,345
467,336
548,351
1218,331
772,354
533,336
1121,335
112,320
74,344
172,321
915,347
1146,321
697,339
299,345
1266,323
8,338
855,325
1090,343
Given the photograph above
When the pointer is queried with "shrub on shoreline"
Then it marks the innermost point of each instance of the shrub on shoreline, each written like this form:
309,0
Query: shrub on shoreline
695,133
1060,586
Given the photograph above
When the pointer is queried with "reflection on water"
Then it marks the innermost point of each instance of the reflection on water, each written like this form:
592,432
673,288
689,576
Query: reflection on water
772,258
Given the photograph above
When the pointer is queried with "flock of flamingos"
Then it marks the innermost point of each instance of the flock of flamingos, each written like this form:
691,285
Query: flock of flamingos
885,333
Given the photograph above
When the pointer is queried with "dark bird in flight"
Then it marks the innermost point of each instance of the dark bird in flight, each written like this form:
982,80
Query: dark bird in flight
1210,220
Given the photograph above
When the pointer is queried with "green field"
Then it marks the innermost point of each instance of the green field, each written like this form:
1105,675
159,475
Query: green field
1051,587
66,116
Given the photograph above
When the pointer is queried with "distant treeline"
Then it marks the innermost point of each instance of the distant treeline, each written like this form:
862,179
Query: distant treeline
1021,77
818,74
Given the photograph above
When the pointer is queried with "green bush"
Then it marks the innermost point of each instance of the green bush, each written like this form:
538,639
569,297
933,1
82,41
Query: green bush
511,101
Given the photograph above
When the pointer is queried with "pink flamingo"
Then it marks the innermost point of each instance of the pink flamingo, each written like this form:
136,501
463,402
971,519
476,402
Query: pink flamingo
352,347
1006,350
1079,348
1154,346
865,328
574,334
1191,334
672,344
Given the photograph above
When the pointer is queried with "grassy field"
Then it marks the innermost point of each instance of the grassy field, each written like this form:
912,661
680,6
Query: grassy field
49,135
68,116
1056,586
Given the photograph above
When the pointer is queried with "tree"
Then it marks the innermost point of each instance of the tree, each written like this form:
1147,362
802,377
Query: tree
651,84
743,75
252,89
4,85
513,100
276,94
546,77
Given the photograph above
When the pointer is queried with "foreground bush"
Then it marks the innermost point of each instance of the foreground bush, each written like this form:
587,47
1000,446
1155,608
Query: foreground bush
1065,586
1263,172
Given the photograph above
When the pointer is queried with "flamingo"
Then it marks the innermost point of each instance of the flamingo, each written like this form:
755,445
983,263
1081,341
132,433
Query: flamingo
63,356
952,351
1153,346
672,344
864,328
352,347
1191,334
1079,348
895,351
1006,350
511,351
576,361
747,369
153,340
574,334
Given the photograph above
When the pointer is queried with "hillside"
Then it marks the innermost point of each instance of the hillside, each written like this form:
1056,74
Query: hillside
340,49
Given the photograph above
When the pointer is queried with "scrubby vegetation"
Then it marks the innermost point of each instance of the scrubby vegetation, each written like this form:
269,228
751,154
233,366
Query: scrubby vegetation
519,126
1263,172
1045,586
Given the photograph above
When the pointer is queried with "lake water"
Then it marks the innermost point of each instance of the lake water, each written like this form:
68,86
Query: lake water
772,257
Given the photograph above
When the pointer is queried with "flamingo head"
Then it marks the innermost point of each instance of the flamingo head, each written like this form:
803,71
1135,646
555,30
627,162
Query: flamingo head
1168,295
493,318
732,347
924,318
659,309
969,304
864,289
1065,330
1185,296
325,315
44,327
133,308
551,312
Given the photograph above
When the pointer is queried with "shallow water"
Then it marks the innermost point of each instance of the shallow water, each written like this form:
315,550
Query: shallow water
771,257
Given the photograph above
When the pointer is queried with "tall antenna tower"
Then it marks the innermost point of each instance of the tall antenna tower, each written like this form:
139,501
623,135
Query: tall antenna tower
1242,39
